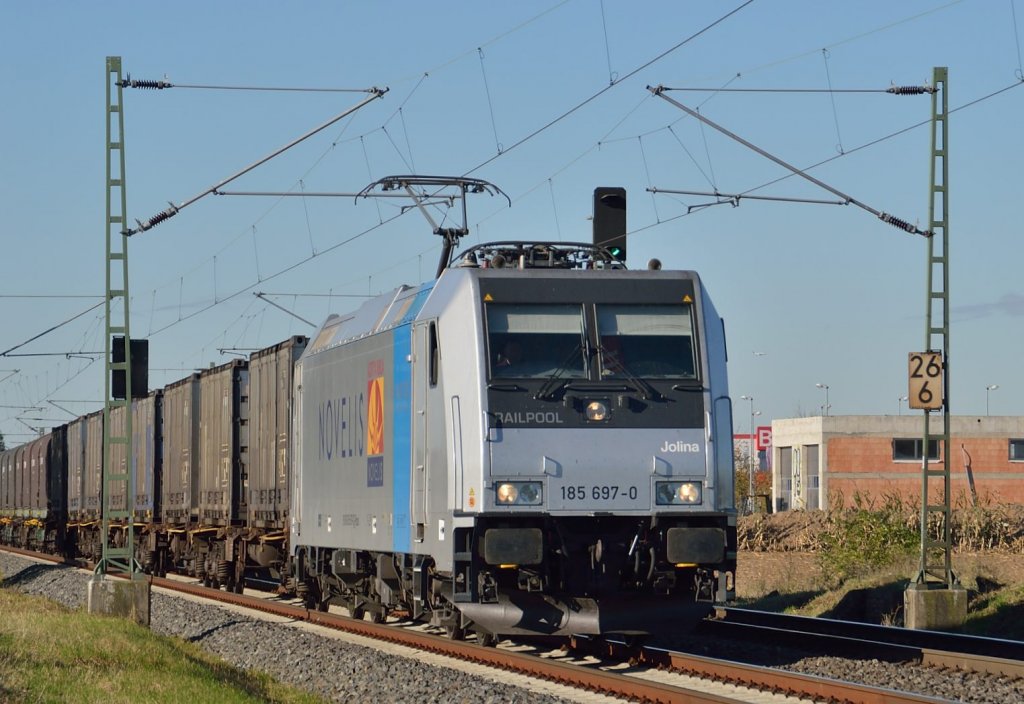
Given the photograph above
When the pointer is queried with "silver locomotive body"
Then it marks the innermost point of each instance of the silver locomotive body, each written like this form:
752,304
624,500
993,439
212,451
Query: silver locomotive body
533,449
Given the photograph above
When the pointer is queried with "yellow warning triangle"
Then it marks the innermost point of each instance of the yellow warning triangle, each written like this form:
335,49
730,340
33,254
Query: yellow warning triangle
687,299
487,297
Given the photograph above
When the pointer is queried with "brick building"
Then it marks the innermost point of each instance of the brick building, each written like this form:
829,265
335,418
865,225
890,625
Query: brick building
833,458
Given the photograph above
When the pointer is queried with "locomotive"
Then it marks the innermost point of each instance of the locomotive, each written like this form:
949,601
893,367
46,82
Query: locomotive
536,442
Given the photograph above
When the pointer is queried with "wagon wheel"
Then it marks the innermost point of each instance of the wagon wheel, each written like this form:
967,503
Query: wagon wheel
485,639
455,632
357,612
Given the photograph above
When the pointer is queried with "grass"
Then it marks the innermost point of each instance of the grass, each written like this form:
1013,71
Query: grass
995,610
997,614
52,654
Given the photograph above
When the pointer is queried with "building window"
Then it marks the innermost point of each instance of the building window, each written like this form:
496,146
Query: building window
784,498
909,449
1017,450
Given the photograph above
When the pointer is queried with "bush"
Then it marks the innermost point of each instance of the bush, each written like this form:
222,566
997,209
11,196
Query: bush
865,538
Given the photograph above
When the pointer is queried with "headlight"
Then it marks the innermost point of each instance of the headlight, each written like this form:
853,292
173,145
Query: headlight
507,493
519,493
597,411
674,493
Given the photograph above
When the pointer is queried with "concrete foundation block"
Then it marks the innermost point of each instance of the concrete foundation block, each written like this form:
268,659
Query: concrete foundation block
935,609
126,598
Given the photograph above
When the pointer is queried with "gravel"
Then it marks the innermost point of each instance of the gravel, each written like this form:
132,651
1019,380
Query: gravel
333,669
942,683
341,671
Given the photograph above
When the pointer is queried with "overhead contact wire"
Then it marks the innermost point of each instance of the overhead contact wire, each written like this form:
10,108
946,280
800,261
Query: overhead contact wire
487,161
523,140
51,329
305,209
881,215
832,97
604,90
554,207
1016,37
490,104
647,172
607,46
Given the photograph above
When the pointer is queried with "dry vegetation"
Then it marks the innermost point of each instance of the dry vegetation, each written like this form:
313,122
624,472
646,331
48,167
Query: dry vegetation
818,563
997,527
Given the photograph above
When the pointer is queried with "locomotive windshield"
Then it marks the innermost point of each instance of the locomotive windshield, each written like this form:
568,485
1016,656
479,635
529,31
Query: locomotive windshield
650,341
535,341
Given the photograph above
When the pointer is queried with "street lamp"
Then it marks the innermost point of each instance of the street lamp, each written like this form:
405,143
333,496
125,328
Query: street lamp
989,389
899,405
827,406
750,452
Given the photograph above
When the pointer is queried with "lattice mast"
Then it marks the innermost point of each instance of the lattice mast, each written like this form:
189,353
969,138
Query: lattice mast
118,482
936,570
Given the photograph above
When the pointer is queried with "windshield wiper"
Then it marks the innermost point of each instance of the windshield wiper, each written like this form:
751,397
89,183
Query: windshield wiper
547,391
641,386
498,386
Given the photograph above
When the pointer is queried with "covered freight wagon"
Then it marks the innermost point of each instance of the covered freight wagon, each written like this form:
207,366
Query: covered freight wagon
271,373
6,484
145,454
178,489
92,489
223,442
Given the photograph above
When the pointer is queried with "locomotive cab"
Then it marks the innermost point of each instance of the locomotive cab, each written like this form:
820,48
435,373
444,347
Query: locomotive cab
602,403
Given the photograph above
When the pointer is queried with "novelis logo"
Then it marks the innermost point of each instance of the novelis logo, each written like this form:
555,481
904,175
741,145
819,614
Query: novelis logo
375,423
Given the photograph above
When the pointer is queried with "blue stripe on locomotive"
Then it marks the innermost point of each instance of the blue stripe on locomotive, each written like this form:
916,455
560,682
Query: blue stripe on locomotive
401,424
401,405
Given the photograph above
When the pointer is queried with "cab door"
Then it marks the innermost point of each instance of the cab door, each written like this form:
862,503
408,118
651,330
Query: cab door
424,341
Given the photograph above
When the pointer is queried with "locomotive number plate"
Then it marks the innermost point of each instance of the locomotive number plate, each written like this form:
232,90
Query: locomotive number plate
598,492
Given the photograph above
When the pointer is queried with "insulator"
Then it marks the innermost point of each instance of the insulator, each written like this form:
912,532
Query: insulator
150,85
910,90
451,232
158,218
902,224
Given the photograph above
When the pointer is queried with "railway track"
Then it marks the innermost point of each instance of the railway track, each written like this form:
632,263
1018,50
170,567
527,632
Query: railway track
930,648
586,665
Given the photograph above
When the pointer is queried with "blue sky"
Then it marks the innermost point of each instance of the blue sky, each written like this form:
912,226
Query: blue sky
547,100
